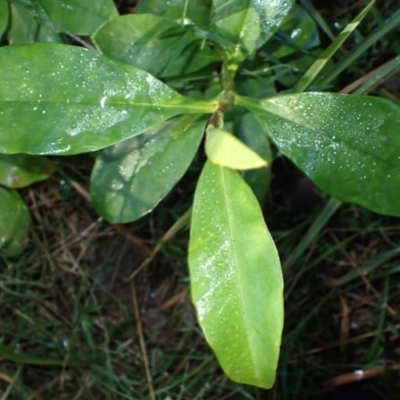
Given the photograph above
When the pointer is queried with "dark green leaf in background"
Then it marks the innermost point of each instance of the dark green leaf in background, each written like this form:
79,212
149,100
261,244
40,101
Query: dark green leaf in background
81,17
250,132
65,99
4,15
14,223
299,64
159,46
21,170
29,24
256,85
297,32
182,11
130,178
235,277
348,145
247,24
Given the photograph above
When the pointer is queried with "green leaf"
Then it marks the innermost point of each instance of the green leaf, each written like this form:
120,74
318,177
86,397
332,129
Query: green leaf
130,178
250,132
20,170
14,223
225,149
247,24
236,277
80,17
159,46
27,27
4,16
75,100
348,145
254,85
183,11
298,31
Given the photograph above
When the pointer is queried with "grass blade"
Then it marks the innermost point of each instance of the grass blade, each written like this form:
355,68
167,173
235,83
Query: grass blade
317,66
391,23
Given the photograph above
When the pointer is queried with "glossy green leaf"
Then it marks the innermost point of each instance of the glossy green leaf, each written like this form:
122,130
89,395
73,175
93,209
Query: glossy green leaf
75,100
159,46
298,31
250,132
348,145
81,17
130,178
247,24
235,277
20,170
224,149
4,16
186,11
14,223
27,27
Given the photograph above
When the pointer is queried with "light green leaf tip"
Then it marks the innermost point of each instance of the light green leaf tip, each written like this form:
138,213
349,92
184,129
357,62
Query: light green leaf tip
236,277
224,149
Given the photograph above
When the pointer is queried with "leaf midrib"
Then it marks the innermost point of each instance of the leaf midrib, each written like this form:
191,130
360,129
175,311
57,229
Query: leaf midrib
239,285
198,108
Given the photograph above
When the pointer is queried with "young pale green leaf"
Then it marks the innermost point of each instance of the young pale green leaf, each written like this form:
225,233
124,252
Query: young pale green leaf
14,223
27,26
235,277
223,148
130,178
348,145
4,16
75,100
80,17
250,132
182,11
20,170
247,24
159,46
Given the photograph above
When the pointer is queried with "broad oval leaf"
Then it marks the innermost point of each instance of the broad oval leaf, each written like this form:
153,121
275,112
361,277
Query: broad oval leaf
223,148
348,145
4,15
130,178
236,277
14,223
21,170
247,24
75,100
159,46
80,17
